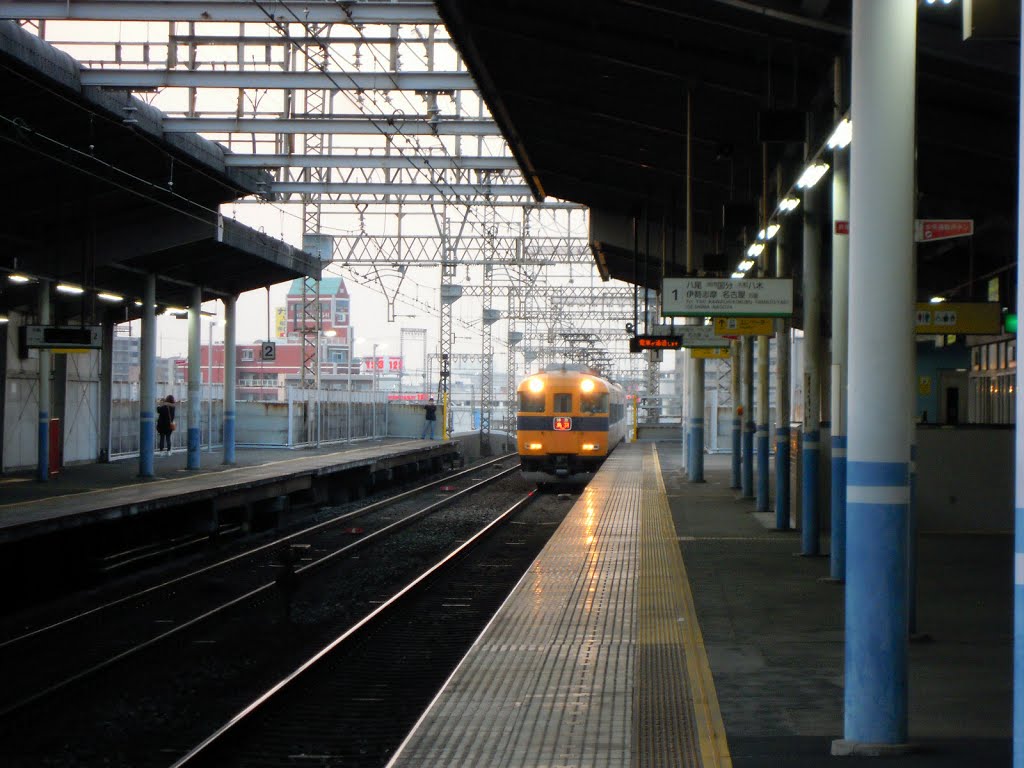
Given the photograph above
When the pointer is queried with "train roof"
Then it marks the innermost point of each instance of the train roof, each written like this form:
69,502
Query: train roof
557,376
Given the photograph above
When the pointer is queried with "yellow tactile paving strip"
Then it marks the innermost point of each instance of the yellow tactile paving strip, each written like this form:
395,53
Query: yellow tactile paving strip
554,679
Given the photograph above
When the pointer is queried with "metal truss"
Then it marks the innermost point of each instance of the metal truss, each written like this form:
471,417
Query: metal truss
363,114
427,250
146,79
313,11
426,162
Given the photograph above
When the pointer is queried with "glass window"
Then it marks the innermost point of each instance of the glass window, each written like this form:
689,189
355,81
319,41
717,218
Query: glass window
594,402
563,402
341,312
531,402
247,355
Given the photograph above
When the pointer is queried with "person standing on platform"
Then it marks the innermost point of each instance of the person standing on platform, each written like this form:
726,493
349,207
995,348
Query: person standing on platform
165,422
430,419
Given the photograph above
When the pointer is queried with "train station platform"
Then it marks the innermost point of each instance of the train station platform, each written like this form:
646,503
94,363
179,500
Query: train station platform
86,494
666,624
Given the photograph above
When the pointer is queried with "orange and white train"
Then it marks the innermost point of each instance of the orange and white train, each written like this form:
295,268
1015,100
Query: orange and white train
568,421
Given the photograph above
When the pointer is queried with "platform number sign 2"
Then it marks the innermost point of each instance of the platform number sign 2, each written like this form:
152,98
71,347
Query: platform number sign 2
269,350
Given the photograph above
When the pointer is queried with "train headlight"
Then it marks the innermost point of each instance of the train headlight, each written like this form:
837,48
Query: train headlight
534,446
535,385
587,385
591,446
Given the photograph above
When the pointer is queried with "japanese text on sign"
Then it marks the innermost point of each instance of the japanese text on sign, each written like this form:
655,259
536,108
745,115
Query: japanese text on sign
702,297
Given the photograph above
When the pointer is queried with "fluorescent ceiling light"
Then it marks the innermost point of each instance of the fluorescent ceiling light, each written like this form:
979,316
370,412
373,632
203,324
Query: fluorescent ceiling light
18,278
812,175
773,230
789,204
755,249
3,319
840,138
937,299
68,288
113,297
737,275
745,265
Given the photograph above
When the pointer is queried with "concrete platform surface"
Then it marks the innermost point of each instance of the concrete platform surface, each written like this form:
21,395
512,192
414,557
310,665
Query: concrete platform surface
774,635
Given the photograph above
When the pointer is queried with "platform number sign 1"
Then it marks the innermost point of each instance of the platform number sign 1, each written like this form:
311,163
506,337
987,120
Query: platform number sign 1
269,350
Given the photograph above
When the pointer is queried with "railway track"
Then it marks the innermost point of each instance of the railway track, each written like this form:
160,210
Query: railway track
162,665
416,635
46,659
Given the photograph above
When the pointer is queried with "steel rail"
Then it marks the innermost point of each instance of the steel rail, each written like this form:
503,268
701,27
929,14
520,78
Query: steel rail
250,552
352,631
129,652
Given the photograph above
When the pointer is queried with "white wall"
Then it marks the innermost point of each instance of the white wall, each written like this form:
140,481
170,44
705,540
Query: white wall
21,402
82,407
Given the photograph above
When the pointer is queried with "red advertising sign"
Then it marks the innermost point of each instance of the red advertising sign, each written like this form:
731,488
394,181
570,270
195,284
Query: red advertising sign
842,227
927,230
381,364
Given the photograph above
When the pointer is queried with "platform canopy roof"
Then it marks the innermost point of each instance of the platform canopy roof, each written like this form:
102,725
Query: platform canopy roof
592,96
98,195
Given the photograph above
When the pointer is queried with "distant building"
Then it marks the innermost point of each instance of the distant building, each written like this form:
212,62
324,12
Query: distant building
259,379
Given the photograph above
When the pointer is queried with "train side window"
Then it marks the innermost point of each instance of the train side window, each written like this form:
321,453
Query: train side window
594,402
531,402
563,402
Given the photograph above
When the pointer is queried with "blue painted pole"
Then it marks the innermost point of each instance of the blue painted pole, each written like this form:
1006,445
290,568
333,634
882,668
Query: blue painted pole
763,465
912,545
811,449
837,565
43,444
782,389
747,346
840,336
762,425
195,403
147,383
696,451
1018,570
810,526
737,411
230,383
782,479
881,280
695,435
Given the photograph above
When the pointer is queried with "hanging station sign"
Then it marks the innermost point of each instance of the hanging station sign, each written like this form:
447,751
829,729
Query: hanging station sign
744,326
948,317
727,297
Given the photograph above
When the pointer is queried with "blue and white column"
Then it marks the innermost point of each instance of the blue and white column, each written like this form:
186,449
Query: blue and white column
147,378
762,424
737,405
230,336
695,434
840,345
195,403
747,344
810,455
782,390
881,275
43,445
1018,570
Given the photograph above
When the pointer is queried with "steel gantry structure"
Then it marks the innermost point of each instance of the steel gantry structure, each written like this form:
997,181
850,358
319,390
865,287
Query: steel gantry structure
377,142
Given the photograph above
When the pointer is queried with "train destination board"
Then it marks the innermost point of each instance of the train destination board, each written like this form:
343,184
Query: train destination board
744,326
687,335
724,297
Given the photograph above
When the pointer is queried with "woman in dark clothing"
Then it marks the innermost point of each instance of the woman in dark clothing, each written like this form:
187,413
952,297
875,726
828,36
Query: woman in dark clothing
165,422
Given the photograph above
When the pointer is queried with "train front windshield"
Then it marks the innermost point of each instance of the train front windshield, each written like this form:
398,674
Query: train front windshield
594,402
531,402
